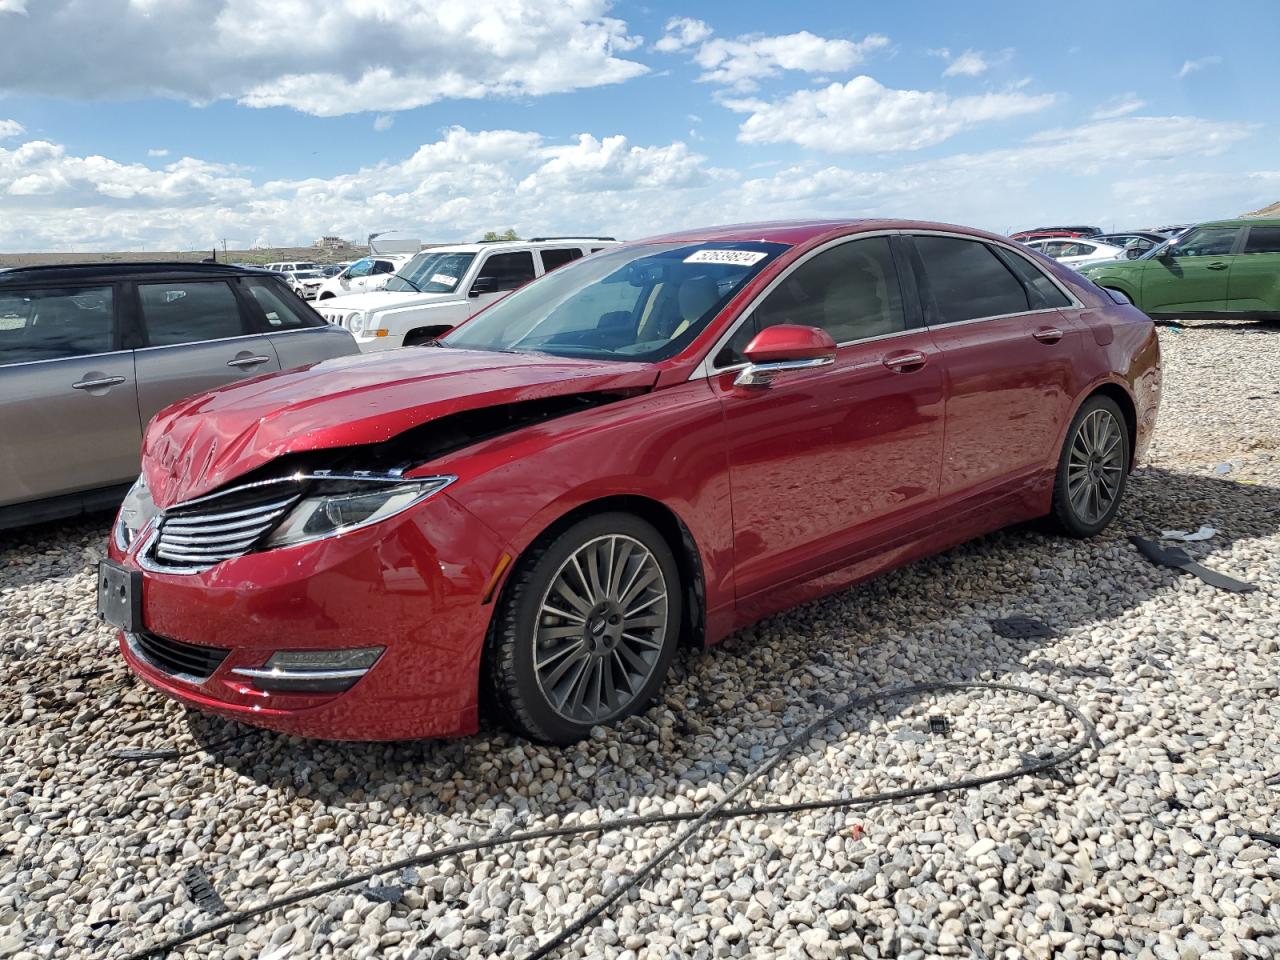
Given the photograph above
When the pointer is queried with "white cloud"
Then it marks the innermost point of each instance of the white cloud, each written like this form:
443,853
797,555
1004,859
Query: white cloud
742,63
157,152
1118,106
971,63
382,122
863,116
13,6
682,33
324,57
1191,66
10,129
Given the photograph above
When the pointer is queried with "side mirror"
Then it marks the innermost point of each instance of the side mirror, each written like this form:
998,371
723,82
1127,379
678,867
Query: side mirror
785,347
484,285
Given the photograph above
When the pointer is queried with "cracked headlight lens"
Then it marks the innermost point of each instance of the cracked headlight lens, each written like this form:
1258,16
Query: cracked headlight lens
136,512
337,506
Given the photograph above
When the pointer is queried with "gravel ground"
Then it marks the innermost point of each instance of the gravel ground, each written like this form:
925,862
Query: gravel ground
1142,848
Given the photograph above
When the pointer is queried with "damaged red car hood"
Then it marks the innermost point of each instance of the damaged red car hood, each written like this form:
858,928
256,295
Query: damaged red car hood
198,444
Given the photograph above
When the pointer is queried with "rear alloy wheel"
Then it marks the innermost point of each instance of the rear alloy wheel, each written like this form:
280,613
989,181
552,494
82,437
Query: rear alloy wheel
1092,469
586,629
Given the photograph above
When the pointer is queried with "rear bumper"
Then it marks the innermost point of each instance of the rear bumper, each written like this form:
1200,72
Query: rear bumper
412,585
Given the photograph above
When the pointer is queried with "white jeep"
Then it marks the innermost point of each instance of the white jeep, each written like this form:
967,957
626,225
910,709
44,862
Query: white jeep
442,286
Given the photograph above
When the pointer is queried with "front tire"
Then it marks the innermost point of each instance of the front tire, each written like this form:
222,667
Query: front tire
586,629
1093,469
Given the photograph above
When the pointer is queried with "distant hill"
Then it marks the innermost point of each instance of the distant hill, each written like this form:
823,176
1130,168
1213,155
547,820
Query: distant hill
268,255
1270,210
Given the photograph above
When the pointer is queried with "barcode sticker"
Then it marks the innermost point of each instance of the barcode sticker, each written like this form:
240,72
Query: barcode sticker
741,258
444,278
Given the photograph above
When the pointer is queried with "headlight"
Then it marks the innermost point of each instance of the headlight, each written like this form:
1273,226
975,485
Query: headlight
137,510
336,506
355,322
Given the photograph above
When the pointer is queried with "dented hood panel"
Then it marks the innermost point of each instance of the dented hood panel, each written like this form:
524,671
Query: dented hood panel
198,444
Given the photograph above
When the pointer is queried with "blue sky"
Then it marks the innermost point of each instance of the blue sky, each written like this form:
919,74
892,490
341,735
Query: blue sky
163,124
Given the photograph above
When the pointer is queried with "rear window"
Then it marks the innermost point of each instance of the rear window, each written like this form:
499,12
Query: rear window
189,311
968,281
54,323
1263,240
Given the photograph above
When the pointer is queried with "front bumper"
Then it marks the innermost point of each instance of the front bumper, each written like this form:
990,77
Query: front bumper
413,584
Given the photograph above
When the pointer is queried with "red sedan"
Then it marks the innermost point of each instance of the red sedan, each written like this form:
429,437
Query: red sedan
651,446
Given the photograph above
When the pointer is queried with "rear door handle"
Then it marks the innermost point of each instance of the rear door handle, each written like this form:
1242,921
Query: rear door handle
1217,265
243,362
97,383
904,362
1048,334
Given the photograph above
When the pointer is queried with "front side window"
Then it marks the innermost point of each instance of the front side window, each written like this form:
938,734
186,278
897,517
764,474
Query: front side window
508,270
629,303
851,291
189,312
1207,242
280,313
54,323
968,281
361,268
1263,240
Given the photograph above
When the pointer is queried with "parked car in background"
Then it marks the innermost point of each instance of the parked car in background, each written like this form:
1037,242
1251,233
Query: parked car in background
333,269
1135,243
654,445
1074,252
366,274
1045,233
442,286
305,283
1174,230
289,266
1227,267
88,353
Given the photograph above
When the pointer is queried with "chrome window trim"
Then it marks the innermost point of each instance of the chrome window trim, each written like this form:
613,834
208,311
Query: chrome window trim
78,356
241,336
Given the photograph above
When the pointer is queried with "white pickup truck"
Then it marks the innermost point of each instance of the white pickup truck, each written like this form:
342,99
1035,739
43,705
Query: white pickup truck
442,286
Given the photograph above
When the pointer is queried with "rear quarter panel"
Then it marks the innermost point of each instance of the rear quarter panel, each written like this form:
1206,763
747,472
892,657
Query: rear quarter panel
298,348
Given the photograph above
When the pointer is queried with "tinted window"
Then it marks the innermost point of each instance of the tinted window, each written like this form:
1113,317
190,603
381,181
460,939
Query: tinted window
188,312
280,313
1041,291
1263,240
510,270
384,266
851,291
968,281
1207,242
557,258
48,324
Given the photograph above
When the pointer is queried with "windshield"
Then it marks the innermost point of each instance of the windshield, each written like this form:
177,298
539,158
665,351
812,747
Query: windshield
431,272
634,303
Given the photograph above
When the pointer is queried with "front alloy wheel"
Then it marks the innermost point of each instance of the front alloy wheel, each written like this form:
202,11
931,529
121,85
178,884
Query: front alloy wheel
586,628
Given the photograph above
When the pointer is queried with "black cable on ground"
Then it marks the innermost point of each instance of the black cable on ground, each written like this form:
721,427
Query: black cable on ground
696,820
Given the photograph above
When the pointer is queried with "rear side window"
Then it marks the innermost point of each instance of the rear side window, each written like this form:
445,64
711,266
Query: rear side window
280,313
1042,292
54,323
557,258
968,281
188,312
1263,240
509,270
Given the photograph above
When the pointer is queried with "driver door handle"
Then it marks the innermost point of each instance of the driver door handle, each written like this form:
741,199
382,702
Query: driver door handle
1217,265
904,362
97,383
1048,334
243,362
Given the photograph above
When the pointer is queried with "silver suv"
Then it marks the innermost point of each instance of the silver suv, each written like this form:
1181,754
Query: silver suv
88,353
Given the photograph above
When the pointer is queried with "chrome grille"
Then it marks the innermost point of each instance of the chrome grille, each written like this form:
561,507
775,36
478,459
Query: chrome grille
222,526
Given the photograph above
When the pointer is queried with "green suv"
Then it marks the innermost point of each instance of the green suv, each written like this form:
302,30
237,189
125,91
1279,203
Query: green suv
1227,267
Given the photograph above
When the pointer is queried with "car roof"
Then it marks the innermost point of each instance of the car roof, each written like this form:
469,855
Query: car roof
168,270
795,232
537,243
1242,222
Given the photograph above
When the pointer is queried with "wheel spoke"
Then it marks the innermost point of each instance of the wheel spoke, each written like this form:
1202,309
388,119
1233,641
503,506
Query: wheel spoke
554,677
563,614
559,633
619,569
640,583
547,661
608,692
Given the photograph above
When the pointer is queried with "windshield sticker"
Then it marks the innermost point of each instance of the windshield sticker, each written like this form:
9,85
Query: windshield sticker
443,278
741,258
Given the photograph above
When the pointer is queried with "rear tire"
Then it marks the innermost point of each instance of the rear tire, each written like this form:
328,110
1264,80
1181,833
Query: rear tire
586,629
1093,469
